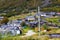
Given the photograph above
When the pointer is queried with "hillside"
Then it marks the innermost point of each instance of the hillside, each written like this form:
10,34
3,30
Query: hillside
15,7
17,4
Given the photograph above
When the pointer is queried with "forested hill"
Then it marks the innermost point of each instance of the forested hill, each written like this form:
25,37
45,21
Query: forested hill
17,6
9,4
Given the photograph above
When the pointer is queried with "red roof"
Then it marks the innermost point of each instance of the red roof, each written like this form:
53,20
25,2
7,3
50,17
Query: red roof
58,13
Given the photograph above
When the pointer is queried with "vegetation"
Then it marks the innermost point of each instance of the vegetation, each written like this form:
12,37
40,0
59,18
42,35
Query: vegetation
16,7
4,20
0,37
34,37
54,20
45,26
49,9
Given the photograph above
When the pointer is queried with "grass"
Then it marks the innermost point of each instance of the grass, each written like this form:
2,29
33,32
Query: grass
26,29
55,20
30,38
20,16
33,37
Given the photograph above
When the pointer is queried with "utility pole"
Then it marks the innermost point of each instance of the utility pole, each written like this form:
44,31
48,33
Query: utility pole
39,20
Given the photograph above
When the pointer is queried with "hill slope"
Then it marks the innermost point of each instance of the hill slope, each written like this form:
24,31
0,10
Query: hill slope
17,6
13,4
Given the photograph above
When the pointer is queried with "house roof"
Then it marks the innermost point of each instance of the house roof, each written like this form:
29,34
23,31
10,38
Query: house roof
58,13
30,18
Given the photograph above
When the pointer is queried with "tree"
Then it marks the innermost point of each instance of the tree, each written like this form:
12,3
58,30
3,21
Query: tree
23,24
4,20
45,26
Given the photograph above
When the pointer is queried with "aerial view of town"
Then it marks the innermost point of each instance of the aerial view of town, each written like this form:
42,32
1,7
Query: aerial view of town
29,19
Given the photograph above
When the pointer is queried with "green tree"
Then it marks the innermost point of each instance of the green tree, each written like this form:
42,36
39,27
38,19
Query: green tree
45,26
4,20
0,36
